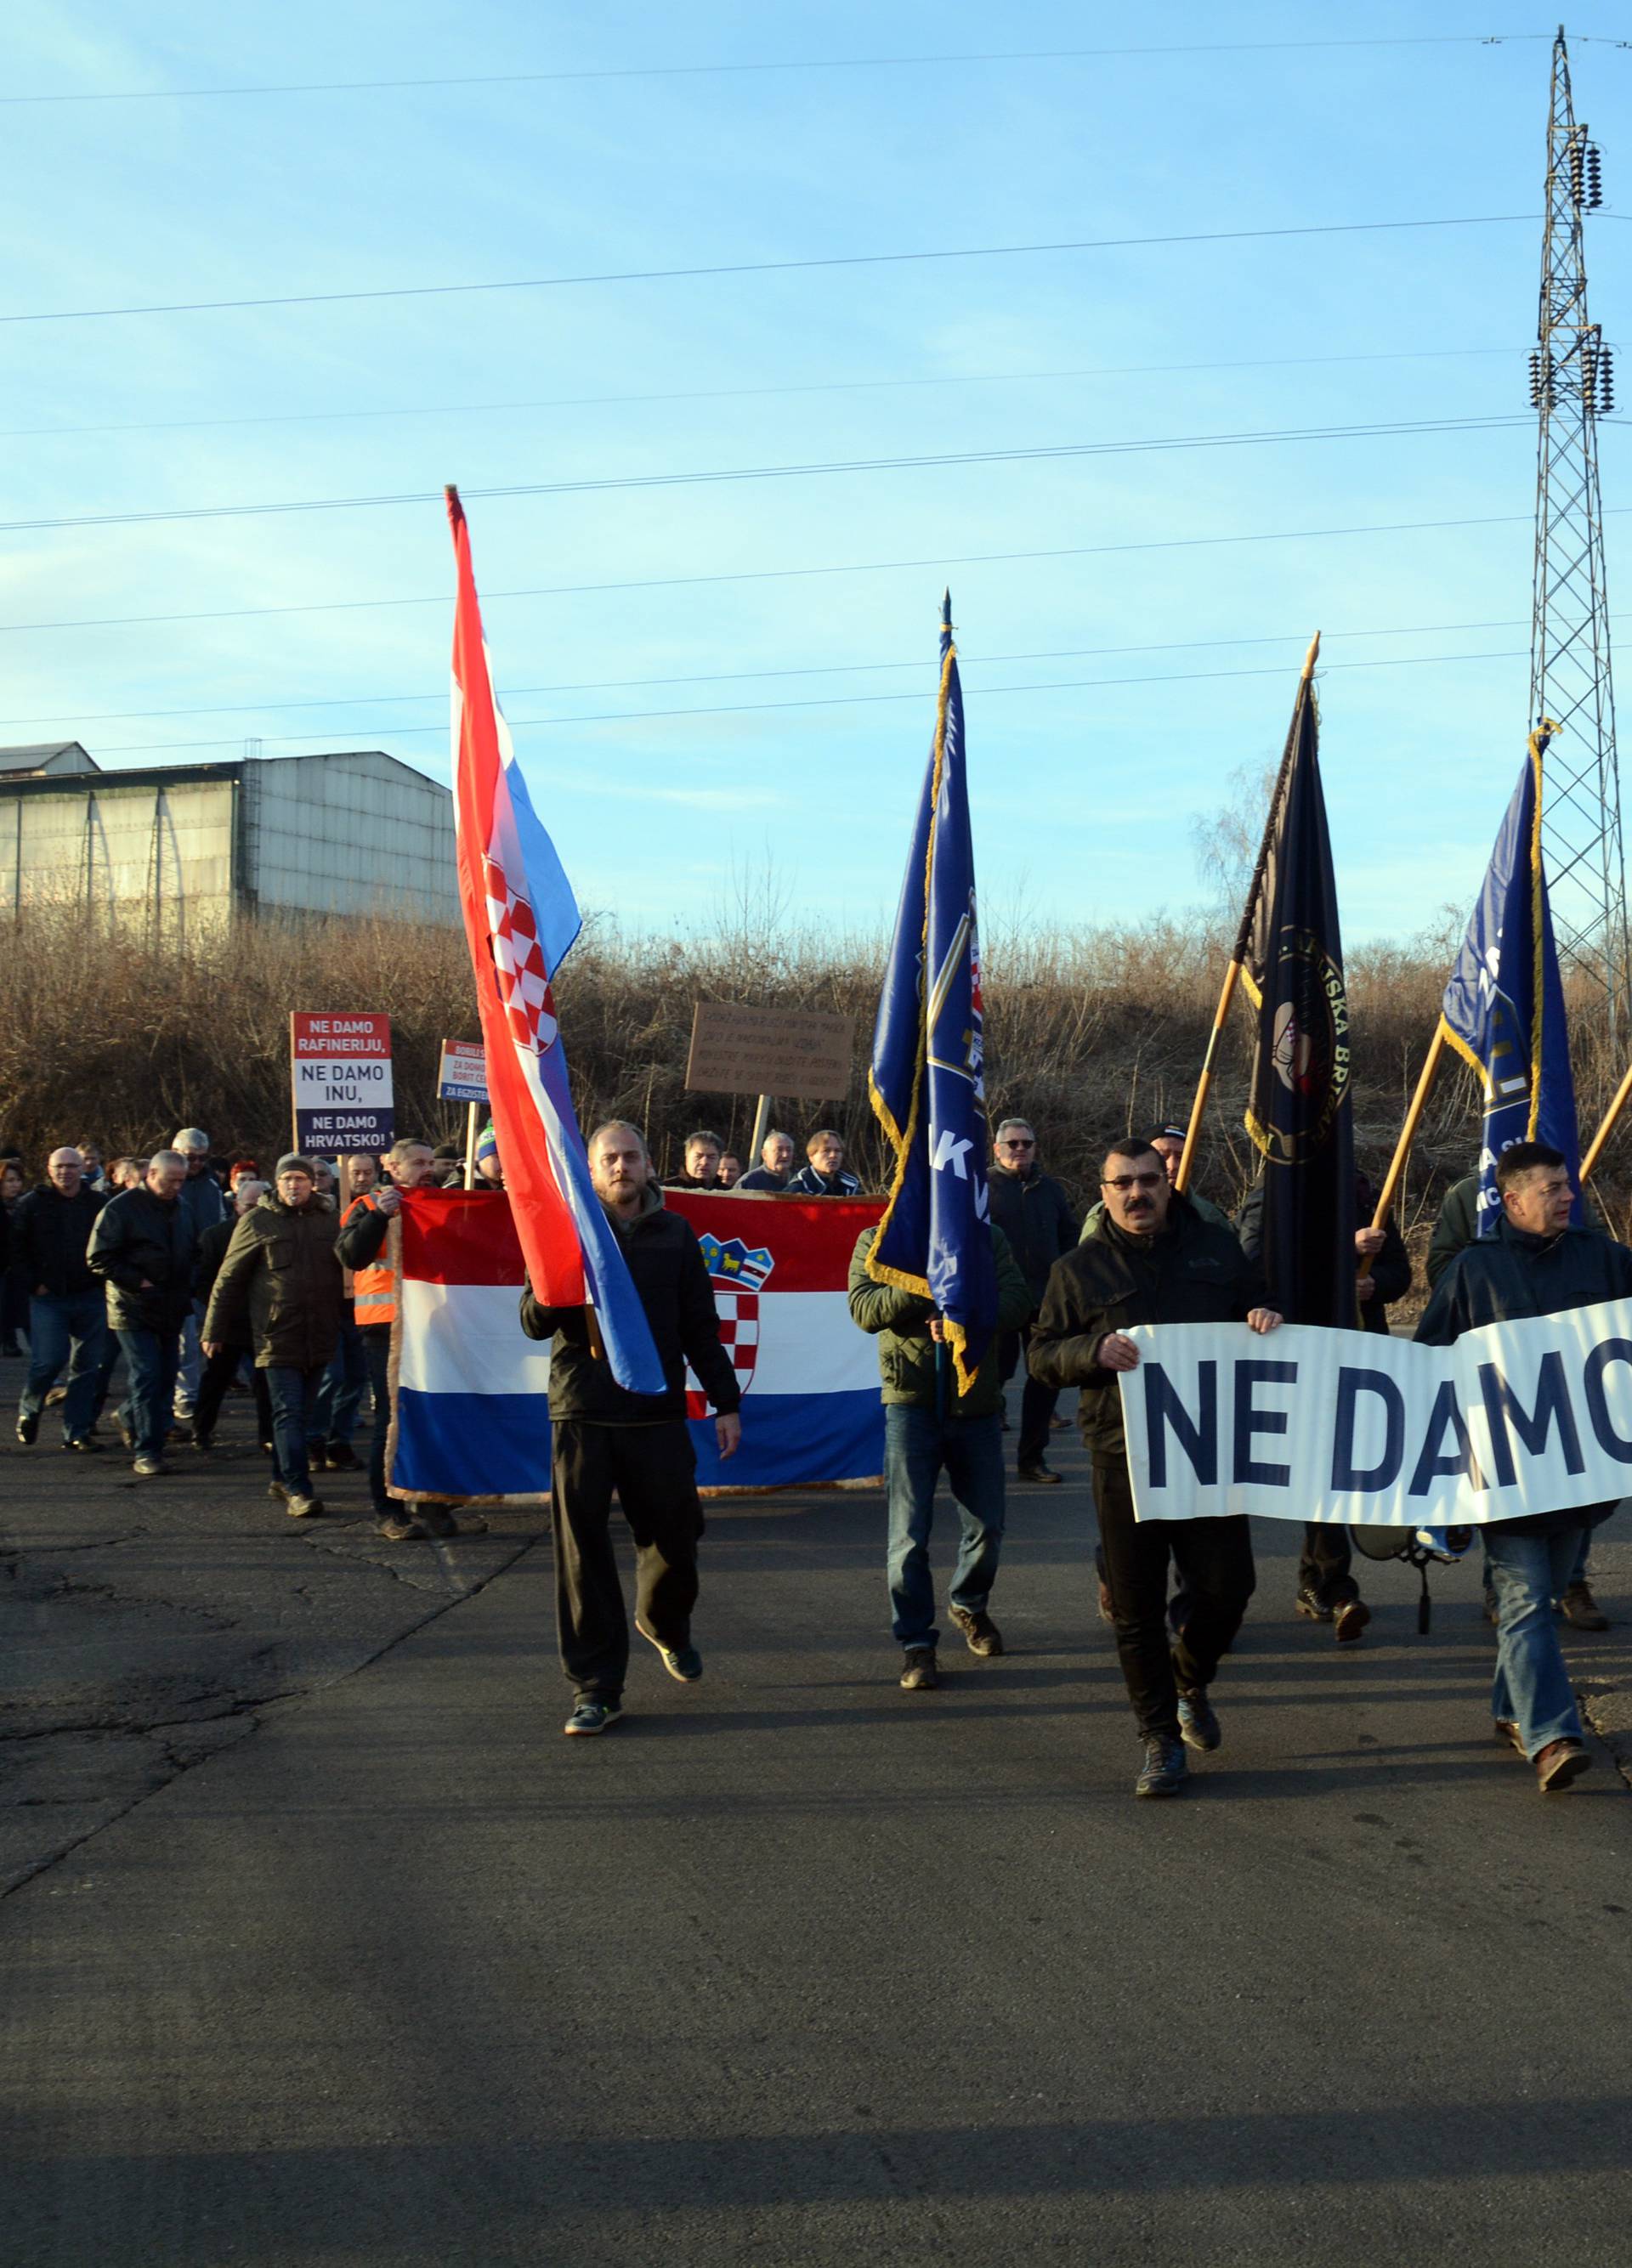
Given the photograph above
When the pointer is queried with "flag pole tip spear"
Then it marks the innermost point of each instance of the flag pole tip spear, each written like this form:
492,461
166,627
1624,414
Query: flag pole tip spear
1310,658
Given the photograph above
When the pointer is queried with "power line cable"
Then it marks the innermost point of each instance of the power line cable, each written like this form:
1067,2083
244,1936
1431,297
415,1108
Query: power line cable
937,563
746,393
745,70
972,658
834,701
938,460
756,268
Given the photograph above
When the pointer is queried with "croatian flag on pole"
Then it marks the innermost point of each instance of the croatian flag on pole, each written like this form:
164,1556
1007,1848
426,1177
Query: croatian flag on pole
521,921
472,1419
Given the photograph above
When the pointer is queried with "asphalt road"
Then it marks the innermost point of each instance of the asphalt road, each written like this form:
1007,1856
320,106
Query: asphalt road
791,1966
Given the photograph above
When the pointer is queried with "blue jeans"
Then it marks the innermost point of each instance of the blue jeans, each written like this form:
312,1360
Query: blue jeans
151,1360
294,1397
917,1445
71,1329
340,1396
1531,1687
1577,1573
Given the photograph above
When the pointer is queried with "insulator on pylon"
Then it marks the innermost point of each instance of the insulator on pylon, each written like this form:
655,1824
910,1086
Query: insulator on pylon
1595,177
1606,381
1575,157
1543,393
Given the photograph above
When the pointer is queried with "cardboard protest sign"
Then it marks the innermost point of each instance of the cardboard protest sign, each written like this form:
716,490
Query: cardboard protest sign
788,1051
341,1075
1355,1428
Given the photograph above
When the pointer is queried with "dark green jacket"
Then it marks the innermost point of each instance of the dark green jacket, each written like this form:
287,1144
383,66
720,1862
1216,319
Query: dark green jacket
1193,1272
1455,1228
1499,1277
281,1272
907,1354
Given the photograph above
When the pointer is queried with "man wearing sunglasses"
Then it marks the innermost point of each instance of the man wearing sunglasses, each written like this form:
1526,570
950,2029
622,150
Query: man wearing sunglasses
1035,1215
1152,1259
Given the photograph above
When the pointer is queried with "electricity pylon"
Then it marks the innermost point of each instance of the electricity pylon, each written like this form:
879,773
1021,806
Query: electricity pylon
1571,386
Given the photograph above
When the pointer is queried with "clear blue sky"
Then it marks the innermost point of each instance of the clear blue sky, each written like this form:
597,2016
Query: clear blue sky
1083,793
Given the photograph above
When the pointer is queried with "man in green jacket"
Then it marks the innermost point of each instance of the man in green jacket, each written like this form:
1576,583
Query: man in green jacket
929,1428
282,1268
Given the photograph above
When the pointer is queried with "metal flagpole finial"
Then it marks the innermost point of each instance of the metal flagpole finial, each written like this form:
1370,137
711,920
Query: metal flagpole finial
946,608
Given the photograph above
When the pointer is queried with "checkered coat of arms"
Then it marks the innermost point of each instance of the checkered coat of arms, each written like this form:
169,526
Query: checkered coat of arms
737,1275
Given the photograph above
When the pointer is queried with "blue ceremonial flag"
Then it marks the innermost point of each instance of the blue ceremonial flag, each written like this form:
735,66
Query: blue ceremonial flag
1503,1010
927,1080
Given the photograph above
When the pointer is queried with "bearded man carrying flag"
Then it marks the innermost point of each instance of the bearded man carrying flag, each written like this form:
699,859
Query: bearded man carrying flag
617,1282
936,1281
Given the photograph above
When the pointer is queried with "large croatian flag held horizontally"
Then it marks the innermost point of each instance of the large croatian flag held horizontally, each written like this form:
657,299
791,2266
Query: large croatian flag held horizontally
472,1413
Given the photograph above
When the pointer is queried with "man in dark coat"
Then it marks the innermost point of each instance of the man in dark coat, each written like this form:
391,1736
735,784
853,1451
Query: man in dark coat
67,1314
1326,1588
222,1366
1535,1264
1034,1214
1152,1259
605,1438
142,1250
281,1271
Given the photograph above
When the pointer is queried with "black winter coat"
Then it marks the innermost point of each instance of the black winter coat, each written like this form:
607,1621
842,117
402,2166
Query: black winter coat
212,1252
1512,1274
1193,1272
139,1237
280,1278
1034,1214
666,1262
51,1240
1391,1270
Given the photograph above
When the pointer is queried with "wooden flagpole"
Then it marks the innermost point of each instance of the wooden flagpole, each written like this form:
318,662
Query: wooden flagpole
1181,1179
1407,1135
1612,1118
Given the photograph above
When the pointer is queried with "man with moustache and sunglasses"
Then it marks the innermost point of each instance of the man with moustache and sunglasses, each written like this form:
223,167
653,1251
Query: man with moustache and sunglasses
1152,1259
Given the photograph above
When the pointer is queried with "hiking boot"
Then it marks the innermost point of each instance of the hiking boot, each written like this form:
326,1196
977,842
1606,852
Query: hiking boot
918,1673
81,1444
1349,1617
1165,1770
148,1468
682,1661
304,1505
1507,1730
341,1457
1580,1609
979,1630
436,1520
1311,1605
1559,1763
397,1528
27,1427
591,1714
1199,1728
1038,1472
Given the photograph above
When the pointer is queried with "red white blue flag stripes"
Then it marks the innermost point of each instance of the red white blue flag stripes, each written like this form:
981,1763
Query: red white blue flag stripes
521,921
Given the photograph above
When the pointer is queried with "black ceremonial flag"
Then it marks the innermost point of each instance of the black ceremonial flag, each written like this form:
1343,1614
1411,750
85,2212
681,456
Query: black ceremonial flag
1300,1114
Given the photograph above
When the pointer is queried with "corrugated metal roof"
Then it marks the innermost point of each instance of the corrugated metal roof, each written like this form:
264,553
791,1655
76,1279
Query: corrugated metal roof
47,756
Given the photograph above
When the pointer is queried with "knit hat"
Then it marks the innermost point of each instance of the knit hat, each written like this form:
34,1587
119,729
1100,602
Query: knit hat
486,1143
293,1162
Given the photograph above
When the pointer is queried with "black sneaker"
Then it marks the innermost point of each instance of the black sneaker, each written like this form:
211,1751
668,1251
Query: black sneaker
1199,1728
1165,1770
591,1714
341,1457
204,1443
682,1661
1311,1605
27,1427
82,1445
981,1632
1579,1607
917,1674
1038,1472
436,1520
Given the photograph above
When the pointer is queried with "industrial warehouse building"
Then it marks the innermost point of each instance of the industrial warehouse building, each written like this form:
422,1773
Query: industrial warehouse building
182,849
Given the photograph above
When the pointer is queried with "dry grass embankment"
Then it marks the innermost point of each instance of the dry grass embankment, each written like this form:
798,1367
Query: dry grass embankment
111,1039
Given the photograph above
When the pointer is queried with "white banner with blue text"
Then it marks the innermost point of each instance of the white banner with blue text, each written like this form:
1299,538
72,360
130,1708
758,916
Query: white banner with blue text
1356,1428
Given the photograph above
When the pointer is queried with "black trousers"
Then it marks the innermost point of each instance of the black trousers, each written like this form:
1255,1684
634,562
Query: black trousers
218,1371
1214,1558
653,1469
1037,1403
1323,1563
376,1339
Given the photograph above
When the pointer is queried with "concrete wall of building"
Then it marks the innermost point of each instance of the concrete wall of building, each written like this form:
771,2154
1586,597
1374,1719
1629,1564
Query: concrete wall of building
159,853
347,834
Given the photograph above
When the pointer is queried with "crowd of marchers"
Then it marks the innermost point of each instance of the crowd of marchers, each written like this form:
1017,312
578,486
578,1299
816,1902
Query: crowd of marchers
206,1277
